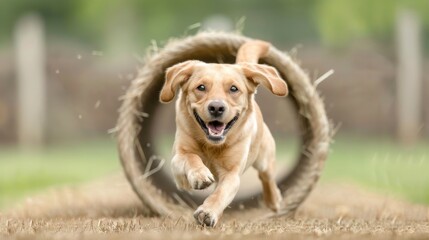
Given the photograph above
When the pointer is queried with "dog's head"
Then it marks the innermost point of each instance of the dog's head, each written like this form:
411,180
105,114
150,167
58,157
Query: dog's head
217,95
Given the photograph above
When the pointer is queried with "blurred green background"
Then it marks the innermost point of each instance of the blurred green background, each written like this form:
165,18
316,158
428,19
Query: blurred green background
378,98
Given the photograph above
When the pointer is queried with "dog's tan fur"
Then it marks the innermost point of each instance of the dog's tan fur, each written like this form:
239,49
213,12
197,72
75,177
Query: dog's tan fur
199,161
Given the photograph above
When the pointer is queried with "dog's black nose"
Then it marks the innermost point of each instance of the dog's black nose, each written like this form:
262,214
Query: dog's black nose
216,108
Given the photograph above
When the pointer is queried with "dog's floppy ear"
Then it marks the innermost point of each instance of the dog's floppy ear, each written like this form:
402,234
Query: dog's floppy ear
175,76
265,75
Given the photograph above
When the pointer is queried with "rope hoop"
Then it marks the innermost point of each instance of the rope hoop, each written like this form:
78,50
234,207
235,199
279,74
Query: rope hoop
154,188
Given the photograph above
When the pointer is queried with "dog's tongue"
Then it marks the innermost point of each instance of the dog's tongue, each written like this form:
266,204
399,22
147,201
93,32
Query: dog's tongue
216,128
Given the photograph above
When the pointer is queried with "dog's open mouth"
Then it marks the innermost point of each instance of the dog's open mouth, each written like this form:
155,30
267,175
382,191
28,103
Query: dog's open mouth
215,130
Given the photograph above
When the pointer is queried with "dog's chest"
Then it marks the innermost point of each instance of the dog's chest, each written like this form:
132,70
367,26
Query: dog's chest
240,157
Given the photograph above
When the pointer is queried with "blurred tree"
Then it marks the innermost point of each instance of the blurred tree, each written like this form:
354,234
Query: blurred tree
336,21
342,21
57,14
103,22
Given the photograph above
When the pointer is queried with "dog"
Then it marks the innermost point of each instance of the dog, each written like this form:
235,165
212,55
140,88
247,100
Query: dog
220,130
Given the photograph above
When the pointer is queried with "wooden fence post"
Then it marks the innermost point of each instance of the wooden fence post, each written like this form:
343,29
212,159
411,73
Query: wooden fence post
31,76
409,76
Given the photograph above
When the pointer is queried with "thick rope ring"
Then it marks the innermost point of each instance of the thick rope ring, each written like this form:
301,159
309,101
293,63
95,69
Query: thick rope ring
155,188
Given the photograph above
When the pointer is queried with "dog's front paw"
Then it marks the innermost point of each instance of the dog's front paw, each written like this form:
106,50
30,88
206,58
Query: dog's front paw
200,178
205,217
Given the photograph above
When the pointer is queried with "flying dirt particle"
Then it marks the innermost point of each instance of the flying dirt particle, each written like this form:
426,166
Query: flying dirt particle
57,71
112,130
340,219
79,57
149,170
147,144
80,116
194,26
144,114
323,77
97,104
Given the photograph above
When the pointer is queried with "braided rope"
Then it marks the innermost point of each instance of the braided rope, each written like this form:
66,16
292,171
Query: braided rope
158,193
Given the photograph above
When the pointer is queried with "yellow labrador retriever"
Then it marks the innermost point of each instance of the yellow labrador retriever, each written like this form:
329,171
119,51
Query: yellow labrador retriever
220,130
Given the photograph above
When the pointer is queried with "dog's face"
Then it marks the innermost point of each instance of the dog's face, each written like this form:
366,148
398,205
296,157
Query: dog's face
217,95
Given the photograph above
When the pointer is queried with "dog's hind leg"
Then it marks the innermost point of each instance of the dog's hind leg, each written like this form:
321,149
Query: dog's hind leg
266,172
271,192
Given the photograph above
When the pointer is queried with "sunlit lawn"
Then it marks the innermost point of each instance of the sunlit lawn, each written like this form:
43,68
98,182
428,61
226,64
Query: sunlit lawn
378,164
382,165
23,173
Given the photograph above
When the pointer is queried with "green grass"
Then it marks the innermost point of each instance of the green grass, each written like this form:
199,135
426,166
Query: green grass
382,165
25,172
378,164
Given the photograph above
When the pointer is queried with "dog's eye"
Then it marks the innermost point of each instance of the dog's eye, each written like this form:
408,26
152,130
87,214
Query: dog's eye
201,88
233,89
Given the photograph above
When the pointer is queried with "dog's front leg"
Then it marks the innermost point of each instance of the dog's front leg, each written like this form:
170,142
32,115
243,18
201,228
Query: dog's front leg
210,211
190,172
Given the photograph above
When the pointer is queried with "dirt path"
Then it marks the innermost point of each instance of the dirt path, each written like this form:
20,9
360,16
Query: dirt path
108,209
